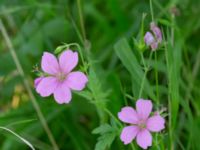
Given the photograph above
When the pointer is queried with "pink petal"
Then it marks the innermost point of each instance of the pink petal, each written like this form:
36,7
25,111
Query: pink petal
156,123
47,86
144,139
49,63
68,60
157,32
37,81
144,108
149,38
76,80
128,115
154,46
128,134
62,94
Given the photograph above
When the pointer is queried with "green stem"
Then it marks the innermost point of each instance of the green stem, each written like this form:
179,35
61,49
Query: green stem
111,115
143,61
27,86
156,71
132,146
169,101
143,81
156,78
85,39
170,90
145,74
77,31
81,20
151,9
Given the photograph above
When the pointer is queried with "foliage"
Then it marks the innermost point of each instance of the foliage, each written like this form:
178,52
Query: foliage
115,67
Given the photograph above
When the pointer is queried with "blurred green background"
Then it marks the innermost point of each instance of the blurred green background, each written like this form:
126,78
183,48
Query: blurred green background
36,26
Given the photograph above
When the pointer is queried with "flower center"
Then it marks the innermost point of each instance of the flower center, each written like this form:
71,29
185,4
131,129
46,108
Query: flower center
142,124
61,76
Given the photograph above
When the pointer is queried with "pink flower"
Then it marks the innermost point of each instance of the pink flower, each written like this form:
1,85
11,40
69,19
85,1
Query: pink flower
149,38
37,81
60,80
154,39
156,31
140,123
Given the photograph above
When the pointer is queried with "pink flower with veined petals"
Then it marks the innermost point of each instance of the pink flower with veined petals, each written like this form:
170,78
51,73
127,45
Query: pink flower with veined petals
140,123
153,40
156,30
60,80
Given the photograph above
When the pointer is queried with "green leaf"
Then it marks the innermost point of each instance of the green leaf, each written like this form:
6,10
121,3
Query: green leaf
105,141
18,136
165,22
130,62
102,129
108,134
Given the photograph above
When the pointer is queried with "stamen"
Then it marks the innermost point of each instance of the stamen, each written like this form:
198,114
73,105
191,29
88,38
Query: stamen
142,124
61,76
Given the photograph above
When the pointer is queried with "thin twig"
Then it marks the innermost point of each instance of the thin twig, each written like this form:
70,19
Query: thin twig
27,86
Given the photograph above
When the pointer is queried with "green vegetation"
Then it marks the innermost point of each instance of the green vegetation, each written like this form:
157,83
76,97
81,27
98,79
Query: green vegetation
107,35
